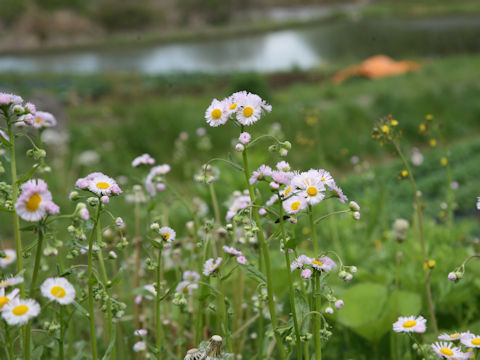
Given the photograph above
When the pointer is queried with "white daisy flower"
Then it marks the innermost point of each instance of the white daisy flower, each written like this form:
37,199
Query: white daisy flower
58,289
239,203
43,119
191,276
300,262
323,264
10,257
11,281
294,204
211,266
310,185
446,350
326,178
410,324
167,233
5,299
217,113
35,201
250,108
450,337
19,312
470,340
101,184
186,287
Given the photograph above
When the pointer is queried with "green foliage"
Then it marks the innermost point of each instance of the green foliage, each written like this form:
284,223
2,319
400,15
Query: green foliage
10,10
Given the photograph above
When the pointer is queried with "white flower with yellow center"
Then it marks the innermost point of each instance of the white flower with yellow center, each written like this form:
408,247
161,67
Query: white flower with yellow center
447,350
250,108
167,233
58,289
294,204
11,281
5,299
19,311
326,178
310,185
101,185
324,263
410,324
34,202
217,113
451,337
186,287
470,340
10,257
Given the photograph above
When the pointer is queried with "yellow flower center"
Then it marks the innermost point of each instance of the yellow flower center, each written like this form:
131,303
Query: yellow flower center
7,257
58,291
312,191
216,114
3,283
295,205
316,262
248,111
3,301
185,290
103,185
446,351
287,190
323,178
385,129
33,202
20,310
409,323
476,341
166,236
38,120
454,336
394,122
233,106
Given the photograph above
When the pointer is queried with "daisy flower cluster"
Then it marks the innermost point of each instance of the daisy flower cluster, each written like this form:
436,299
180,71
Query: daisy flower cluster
99,184
456,345
238,201
189,283
307,264
35,201
244,107
154,181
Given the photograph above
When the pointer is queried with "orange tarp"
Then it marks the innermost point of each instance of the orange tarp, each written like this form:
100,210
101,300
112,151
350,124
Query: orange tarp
376,67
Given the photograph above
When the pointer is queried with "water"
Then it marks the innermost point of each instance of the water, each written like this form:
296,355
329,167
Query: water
301,48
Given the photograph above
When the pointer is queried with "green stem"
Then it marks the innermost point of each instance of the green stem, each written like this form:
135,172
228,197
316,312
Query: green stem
157,307
266,257
11,355
62,335
313,231
317,305
31,293
290,285
136,281
419,213
215,203
224,314
109,329
203,290
91,280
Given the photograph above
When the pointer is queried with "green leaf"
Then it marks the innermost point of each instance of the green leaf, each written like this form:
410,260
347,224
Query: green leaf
302,308
106,356
28,175
292,243
80,308
253,273
156,244
170,291
116,279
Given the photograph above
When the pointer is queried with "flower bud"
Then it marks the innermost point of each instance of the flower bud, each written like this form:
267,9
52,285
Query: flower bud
239,147
155,227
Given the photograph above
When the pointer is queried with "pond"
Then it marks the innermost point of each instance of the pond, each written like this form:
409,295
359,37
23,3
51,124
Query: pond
302,48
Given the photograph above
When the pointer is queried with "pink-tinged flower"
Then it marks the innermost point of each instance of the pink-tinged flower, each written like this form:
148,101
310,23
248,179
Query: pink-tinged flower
410,324
323,264
326,178
294,204
452,276
99,184
84,214
300,262
239,147
105,199
9,99
282,177
244,138
4,135
306,273
232,251
452,337
338,193
217,113
186,287
140,332
144,159
191,276
447,350
155,178
211,266
35,201
354,206
273,185
262,172
273,199
283,166
329,310
43,119
339,304
262,211
242,260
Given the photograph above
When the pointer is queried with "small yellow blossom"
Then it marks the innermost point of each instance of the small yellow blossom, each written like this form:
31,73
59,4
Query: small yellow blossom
430,264
433,142
422,128
394,122
444,161
385,129
404,173
429,117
